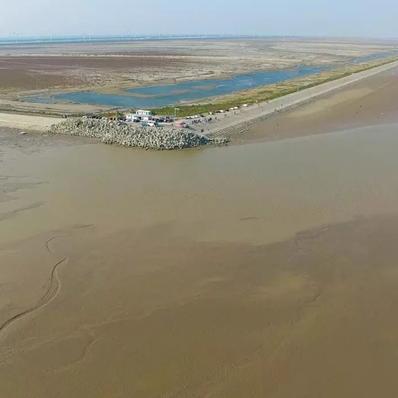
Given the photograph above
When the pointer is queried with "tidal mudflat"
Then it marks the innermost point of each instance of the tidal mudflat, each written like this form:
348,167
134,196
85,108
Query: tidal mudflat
264,269
176,70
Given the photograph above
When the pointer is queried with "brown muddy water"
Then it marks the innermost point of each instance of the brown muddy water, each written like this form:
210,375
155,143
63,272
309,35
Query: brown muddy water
261,270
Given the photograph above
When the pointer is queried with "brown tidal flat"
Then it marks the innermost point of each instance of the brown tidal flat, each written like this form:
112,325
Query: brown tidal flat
258,270
57,71
138,314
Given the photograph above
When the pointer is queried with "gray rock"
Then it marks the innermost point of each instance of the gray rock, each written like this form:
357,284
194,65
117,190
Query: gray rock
132,135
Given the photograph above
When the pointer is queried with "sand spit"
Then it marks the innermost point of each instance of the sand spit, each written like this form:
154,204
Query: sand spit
29,122
114,132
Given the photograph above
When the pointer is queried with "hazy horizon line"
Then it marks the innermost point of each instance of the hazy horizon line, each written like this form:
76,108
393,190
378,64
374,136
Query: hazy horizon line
96,37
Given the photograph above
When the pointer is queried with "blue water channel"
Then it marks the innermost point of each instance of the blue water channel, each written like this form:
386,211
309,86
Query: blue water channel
173,94
170,94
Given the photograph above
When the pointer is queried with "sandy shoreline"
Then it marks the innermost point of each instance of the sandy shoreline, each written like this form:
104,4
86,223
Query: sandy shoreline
27,122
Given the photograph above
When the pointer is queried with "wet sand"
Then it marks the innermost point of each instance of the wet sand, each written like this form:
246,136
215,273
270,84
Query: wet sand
262,270
138,314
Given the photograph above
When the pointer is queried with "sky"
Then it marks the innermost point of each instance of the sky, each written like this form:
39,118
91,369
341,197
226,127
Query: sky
345,18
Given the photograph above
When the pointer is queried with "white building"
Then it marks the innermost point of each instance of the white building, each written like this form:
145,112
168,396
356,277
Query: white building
139,115
143,113
132,117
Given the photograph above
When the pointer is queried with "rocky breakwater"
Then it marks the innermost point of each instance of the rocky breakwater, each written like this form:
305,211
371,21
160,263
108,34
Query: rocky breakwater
134,135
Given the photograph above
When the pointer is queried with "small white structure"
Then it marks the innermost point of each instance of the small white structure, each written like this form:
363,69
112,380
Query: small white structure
143,113
139,115
132,117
